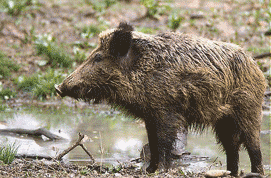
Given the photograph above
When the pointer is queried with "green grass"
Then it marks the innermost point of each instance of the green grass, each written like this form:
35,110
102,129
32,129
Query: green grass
8,152
41,85
146,30
91,30
155,8
7,94
7,65
100,5
56,56
174,20
79,55
15,7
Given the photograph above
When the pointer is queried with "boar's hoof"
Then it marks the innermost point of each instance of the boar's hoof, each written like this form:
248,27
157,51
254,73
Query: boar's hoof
59,91
152,168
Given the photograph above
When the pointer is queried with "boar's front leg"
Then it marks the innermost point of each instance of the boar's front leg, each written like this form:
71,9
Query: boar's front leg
161,135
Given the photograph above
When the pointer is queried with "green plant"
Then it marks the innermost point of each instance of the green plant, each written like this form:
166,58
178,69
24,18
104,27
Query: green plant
8,152
174,21
155,8
41,85
46,85
29,37
84,44
79,55
100,5
91,30
3,106
146,30
56,56
5,94
15,7
26,83
152,7
7,65
84,172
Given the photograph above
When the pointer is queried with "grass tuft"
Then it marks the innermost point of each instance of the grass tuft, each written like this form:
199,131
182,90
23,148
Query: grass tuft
57,57
41,85
8,152
100,5
15,7
7,65
174,21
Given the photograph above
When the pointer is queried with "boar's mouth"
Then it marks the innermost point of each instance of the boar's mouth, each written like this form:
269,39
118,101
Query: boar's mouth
59,91
80,94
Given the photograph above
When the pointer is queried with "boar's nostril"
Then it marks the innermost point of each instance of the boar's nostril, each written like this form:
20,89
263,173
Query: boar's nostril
59,91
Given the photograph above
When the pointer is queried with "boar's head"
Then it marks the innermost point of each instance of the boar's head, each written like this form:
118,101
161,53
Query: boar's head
99,76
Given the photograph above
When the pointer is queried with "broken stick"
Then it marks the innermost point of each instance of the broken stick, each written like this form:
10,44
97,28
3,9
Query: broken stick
77,143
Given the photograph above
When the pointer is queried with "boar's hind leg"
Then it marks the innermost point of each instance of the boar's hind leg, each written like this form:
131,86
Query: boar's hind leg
161,136
153,142
252,144
228,134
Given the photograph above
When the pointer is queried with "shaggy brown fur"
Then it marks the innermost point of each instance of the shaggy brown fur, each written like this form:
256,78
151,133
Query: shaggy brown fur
172,80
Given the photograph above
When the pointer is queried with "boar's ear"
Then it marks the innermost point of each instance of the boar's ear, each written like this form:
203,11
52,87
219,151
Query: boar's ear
121,40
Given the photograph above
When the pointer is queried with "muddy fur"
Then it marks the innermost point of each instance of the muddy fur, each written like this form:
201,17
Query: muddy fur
171,80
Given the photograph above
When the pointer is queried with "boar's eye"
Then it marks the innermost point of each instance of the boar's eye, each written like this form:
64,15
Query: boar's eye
98,58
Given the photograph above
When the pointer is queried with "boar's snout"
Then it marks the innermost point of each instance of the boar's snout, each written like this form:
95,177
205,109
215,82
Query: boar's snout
59,91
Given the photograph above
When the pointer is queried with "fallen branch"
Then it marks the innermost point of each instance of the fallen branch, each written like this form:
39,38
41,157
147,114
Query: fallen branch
267,33
77,143
38,133
260,56
39,157
267,93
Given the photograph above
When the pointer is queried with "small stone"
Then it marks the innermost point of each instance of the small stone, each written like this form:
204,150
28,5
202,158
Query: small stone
217,173
117,175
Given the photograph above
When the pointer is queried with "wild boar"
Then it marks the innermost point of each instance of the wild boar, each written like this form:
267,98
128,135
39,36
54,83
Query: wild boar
174,80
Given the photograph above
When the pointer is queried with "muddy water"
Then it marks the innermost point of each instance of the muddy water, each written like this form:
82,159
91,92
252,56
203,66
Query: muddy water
111,137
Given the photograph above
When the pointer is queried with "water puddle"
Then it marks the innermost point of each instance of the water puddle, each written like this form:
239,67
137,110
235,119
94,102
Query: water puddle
110,136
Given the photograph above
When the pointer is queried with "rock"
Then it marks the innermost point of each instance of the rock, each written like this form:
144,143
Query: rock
216,173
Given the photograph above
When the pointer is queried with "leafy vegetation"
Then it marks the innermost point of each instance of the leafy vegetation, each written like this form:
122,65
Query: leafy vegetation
56,56
8,152
7,66
146,30
155,8
100,5
6,94
174,20
79,55
91,30
41,85
15,7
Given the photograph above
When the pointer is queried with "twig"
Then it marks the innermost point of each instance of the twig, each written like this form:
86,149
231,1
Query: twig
267,93
213,163
78,142
260,56
267,33
101,147
84,148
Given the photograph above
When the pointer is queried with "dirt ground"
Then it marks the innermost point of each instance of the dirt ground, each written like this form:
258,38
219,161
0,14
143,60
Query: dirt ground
36,168
244,22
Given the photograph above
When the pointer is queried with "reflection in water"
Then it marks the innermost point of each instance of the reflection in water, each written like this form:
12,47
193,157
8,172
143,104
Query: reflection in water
120,139
130,147
24,121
